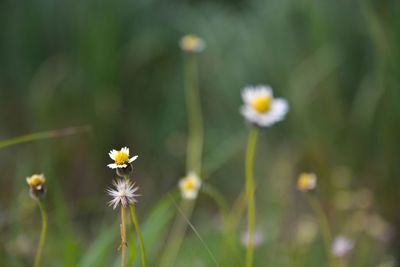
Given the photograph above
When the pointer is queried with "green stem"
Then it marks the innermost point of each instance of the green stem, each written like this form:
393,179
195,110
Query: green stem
123,237
138,231
43,135
140,236
194,152
250,192
325,228
195,120
235,215
42,234
177,233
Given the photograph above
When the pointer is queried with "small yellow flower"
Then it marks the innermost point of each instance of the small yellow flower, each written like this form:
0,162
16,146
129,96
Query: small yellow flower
36,184
121,158
36,181
190,186
192,43
306,182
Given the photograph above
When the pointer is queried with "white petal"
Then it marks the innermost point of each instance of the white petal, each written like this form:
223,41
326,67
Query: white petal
248,94
249,113
113,153
277,113
112,166
279,107
263,90
125,149
189,194
122,166
133,159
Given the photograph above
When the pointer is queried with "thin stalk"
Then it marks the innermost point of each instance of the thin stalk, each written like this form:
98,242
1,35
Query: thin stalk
250,192
43,135
194,152
234,217
197,234
229,251
325,228
42,234
140,236
138,231
195,120
123,237
177,233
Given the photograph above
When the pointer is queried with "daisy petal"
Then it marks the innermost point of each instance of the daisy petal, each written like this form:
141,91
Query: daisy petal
112,166
133,159
113,153
125,149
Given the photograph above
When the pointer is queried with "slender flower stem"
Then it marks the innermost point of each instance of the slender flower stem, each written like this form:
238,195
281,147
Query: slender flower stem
139,233
42,234
250,192
193,156
325,228
195,120
123,237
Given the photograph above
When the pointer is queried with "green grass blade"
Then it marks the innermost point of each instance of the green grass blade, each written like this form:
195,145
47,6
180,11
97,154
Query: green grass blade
104,246
43,135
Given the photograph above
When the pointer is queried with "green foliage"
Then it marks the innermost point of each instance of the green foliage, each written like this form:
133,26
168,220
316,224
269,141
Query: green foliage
116,66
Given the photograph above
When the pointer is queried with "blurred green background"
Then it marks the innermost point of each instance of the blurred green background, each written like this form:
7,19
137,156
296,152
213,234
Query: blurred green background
117,66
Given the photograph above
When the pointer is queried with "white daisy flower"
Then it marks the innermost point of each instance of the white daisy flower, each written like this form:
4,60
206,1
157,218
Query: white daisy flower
258,238
342,246
192,43
121,158
190,186
261,108
307,182
124,193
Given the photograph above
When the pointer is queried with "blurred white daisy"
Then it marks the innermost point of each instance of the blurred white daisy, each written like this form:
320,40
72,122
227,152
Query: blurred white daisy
306,182
192,43
258,238
124,193
121,158
342,246
261,108
190,186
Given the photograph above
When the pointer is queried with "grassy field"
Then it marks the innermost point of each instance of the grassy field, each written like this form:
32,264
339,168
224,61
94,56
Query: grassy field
114,72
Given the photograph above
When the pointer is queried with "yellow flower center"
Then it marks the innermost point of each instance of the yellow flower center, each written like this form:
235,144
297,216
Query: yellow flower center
36,180
189,185
306,182
262,104
191,43
121,158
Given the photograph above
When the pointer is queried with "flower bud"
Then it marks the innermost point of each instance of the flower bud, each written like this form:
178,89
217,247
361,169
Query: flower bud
37,185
